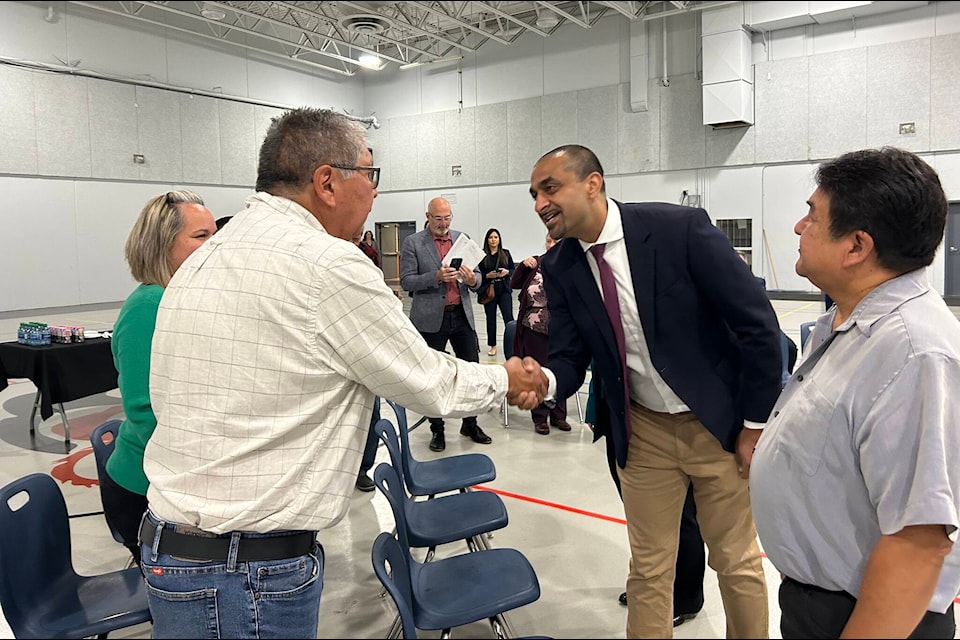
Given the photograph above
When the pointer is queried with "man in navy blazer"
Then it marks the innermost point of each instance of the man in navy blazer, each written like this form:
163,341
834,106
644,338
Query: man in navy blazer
702,360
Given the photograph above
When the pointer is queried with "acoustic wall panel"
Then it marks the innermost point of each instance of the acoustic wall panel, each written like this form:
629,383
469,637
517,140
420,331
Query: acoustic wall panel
105,214
63,126
200,142
945,93
492,143
39,256
558,120
639,132
728,147
238,143
18,121
460,147
262,117
379,141
837,93
523,138
898,92
430,157
113,129
597,124
403,152
161,142
682,136
782,107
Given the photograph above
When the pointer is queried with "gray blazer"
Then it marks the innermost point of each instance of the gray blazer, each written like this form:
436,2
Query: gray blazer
419,262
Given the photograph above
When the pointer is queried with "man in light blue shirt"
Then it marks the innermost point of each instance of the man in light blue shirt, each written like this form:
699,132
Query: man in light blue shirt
855,485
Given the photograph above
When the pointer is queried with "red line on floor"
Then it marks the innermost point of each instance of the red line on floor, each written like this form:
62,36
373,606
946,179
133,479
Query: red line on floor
583,512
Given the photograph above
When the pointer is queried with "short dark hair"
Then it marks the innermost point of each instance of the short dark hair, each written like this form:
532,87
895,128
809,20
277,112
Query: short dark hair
222,221
580,160
299,141
894,196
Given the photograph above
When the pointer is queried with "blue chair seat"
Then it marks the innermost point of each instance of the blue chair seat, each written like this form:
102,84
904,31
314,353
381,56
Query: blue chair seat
442,475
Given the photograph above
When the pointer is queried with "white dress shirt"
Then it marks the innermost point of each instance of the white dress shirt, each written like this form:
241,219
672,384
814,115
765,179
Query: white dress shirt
272,339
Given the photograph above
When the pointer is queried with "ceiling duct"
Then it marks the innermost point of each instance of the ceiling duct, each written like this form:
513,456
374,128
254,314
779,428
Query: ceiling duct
366,23
727,68
768,16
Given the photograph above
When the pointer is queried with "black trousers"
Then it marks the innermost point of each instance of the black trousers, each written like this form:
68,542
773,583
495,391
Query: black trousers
691,555
370,447
807,611
456,330
123,510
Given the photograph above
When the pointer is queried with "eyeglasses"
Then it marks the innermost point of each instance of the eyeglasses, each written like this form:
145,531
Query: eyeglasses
373,173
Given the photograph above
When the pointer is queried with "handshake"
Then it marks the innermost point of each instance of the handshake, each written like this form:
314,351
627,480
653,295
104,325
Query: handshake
528,383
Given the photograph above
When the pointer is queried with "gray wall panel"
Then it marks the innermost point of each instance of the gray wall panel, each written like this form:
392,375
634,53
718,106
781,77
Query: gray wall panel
39,257
379,141
639,143
898,90
200,124
682,135
113,129
460,146
558,120
492,143
161,142
63,126
430,156
597,124
403,152
728,147
262,117
781,109
238,148
945,93
18,122
837,95
523,138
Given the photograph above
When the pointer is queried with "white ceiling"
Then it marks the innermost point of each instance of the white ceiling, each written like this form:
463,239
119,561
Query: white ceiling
332,35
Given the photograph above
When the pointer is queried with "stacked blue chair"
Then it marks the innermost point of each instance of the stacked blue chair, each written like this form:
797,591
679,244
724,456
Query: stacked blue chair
452,591
805,329
442,475
40,592
447,518
103,440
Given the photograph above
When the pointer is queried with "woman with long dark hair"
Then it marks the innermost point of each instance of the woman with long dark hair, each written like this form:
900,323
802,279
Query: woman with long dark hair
496,267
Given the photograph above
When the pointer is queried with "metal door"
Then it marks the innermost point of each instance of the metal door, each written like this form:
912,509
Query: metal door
952,247
389,239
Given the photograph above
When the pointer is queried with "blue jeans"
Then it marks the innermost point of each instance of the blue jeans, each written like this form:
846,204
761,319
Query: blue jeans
230,599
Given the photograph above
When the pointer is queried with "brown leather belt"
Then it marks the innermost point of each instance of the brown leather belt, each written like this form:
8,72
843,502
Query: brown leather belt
206,546
451,307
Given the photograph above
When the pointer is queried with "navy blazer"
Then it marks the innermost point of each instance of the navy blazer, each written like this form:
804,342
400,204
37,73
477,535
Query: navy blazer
709,326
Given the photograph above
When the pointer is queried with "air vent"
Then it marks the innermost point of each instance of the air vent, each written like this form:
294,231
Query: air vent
365,23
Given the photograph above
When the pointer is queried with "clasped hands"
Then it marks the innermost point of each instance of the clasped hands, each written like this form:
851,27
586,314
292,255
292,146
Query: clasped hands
449,274
528,384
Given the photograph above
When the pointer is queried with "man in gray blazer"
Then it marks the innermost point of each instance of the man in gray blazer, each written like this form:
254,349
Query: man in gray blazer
440,305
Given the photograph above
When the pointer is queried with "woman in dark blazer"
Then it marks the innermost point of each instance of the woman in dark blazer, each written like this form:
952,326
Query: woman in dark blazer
531,335
496,267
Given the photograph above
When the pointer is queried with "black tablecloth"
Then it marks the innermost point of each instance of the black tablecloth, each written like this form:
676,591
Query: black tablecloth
62,372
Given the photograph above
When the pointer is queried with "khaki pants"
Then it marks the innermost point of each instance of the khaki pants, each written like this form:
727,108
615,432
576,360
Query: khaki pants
666,453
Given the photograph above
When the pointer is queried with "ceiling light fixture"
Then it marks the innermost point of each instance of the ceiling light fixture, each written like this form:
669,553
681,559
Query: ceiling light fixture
414,65
370,61
212,13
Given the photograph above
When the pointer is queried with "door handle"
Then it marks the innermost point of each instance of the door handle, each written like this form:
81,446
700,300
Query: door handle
953,249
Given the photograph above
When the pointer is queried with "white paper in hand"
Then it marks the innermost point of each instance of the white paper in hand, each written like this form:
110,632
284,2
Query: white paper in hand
466,249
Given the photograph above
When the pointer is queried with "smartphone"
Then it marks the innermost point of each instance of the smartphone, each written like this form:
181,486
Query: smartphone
456,262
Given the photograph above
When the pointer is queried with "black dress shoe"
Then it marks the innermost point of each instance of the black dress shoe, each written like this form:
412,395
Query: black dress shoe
476,434
437,441
623,599
680,618
364,483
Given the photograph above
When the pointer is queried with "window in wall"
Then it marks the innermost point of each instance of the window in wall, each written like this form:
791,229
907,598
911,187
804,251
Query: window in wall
740,233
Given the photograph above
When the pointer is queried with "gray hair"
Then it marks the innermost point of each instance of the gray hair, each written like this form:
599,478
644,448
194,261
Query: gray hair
299,141
149,243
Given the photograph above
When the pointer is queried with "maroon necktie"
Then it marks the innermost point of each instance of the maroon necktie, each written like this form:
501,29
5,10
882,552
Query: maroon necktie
610,301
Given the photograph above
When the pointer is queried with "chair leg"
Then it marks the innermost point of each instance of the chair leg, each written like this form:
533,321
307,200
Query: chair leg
503,410
396,629
501,626
579,406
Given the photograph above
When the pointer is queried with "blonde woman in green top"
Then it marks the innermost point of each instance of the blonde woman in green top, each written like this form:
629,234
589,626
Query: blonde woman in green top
170,227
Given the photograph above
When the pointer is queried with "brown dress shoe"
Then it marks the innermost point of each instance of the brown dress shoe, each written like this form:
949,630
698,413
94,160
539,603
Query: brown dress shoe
542,428
563,425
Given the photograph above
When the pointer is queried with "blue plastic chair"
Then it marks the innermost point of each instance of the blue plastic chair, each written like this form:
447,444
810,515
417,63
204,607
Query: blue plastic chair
40,592
452,591
442,475
456,516
102,450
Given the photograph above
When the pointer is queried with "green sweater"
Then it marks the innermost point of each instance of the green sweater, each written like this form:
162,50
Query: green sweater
132,336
